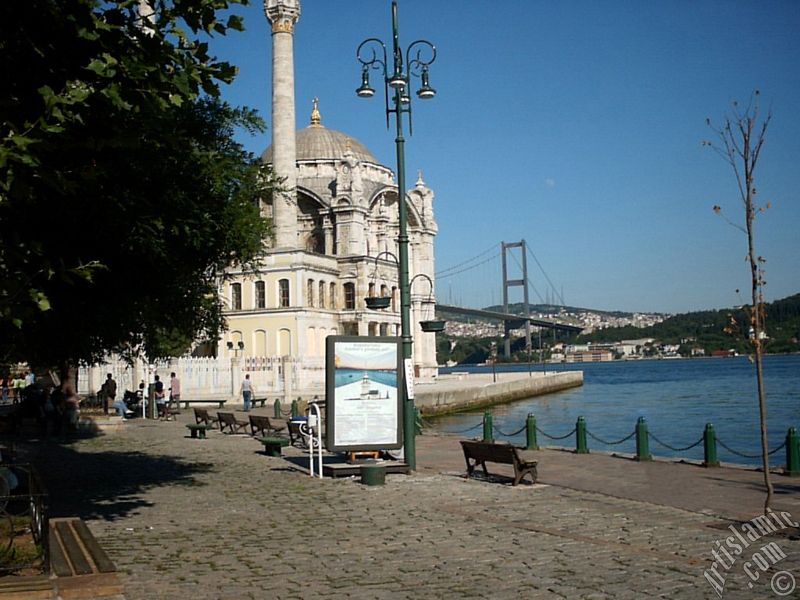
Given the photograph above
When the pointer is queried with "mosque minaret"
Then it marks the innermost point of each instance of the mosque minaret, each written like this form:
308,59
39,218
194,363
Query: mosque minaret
282,16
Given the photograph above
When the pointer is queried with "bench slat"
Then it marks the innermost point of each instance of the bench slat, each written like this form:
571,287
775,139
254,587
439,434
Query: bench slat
58,560
99,556
73,550
28,587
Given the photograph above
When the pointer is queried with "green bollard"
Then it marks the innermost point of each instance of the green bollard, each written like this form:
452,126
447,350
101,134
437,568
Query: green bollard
417,421
295,408
530,430
580,437
710,446
792,454
276,411
642,443
487,427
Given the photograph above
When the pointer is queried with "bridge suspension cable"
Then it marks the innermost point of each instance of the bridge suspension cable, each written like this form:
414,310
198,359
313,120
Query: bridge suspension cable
466,265
546,276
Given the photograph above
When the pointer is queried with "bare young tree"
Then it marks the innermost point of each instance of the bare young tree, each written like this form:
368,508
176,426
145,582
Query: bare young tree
739,142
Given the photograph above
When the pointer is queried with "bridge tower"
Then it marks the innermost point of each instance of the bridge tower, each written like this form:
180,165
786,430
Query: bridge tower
507,283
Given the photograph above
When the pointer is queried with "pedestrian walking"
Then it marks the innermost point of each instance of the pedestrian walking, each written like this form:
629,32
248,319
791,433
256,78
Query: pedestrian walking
174,389
247,392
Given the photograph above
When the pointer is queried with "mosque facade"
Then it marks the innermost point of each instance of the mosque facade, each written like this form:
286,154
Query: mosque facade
336,227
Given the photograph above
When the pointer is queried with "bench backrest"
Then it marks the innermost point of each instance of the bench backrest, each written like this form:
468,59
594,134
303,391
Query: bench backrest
201,415
491,451
259,422
227,418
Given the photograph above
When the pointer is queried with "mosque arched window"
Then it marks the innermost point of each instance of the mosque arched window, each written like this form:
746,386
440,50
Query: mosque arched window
261,294
349,296
283,293
310,292
321,299
236,296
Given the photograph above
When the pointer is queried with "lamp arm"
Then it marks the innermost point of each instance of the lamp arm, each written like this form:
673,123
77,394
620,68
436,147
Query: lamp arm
374,61
423,275
387,253
416,63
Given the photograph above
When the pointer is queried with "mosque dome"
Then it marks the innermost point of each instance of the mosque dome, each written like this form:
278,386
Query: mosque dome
317,142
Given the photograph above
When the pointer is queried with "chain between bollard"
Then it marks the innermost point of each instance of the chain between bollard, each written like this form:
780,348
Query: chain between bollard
743,455
658,441
468,429
781,447
502,433
602,441
557,437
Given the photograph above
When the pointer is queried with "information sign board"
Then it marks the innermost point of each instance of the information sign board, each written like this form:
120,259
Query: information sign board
363,408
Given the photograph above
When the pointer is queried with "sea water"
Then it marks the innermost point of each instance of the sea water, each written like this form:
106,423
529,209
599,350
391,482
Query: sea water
676,397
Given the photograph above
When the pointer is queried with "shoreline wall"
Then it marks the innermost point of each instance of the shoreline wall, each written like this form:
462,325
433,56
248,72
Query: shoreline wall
454,396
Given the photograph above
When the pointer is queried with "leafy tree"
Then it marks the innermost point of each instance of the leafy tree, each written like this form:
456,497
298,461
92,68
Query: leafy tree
123,194
740,139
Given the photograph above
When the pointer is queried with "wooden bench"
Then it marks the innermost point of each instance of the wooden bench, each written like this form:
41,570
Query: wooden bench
479,453
81,566
233,425
186,403
202,416
295,435
273,445
260,401
200,429
265,425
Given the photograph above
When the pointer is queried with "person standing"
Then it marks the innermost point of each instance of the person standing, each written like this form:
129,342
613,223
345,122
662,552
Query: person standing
109,393
18,384
158,388
174,389
247,392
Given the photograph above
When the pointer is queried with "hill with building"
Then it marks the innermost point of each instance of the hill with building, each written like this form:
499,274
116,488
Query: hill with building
617,334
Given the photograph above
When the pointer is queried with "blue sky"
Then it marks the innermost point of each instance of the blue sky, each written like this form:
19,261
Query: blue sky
576,126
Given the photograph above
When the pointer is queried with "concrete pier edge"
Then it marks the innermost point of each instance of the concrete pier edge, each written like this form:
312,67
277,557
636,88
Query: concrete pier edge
471,391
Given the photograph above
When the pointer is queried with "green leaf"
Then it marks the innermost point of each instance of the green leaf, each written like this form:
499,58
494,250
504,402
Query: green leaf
236,23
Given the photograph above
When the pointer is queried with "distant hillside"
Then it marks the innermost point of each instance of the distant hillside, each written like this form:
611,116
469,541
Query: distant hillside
706,329
517,309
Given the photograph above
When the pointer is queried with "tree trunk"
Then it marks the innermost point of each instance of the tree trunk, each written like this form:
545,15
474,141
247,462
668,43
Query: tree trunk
756,317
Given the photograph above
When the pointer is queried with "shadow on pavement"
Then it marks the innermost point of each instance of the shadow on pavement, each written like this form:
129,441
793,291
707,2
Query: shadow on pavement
106,485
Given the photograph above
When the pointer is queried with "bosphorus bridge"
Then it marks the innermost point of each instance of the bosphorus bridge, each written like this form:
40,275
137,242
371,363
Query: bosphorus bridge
494,262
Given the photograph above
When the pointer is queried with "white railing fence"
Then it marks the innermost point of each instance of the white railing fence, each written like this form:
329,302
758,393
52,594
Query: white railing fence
283,377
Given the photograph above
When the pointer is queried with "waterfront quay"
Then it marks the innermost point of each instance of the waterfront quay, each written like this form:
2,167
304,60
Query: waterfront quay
469,391
218,519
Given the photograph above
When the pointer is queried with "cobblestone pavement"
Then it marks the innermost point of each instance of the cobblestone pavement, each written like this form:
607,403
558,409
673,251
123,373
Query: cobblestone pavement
217,519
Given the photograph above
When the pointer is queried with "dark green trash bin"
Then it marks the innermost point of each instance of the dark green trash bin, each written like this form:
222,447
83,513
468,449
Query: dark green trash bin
373,474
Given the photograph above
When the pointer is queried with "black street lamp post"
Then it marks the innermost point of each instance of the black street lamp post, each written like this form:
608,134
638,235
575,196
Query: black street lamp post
419,55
